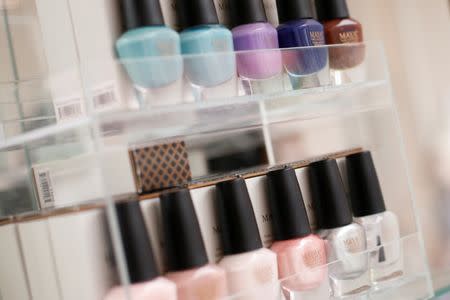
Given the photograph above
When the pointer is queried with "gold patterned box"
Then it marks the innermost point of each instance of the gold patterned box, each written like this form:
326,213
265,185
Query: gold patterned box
161,166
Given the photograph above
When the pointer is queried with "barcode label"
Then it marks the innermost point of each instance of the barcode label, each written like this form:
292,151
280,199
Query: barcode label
45,188
70,111
105,97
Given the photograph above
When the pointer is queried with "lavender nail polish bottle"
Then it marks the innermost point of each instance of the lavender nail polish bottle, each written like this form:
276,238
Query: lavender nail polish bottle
260,69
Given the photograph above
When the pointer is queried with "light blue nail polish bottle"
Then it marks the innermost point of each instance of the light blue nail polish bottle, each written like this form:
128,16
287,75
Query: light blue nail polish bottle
208,46
149,50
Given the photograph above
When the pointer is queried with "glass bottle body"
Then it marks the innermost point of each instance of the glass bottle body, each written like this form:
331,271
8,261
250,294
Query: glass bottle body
383,241
301,262
303,33
211,61
255,272
345,31
346,251
207,282
151,56
157,289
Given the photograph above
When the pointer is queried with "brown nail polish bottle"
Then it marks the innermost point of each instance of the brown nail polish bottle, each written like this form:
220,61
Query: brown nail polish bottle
341,29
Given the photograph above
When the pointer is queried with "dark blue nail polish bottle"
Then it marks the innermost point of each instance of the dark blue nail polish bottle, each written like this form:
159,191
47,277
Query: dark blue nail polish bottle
299,29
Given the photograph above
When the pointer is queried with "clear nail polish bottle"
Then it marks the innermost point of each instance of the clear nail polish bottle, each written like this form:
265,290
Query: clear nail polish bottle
345,241
381,226
301,254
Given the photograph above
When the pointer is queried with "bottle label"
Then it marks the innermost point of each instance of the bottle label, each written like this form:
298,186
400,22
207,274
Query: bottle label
69,109
44,188
317,38
349,37
314,258
353,244
105,97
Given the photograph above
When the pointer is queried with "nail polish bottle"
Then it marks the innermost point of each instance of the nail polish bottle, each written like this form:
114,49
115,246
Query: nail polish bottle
345,241
258,39
186,254
301,254
251,269
381,226
209,44
146,282
299,29
148,49
341,29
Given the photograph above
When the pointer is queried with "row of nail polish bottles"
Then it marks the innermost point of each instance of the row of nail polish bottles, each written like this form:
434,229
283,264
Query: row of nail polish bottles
298,256
151,51
353,226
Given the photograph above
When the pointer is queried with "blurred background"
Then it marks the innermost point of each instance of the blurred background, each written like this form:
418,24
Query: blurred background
416,35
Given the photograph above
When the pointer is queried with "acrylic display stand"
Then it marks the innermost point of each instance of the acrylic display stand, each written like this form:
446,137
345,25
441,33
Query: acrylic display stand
306,111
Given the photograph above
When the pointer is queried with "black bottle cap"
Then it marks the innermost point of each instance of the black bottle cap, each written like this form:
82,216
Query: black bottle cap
136,242
290,10
289,216
240,232
140,13
328,195
196,12
365,191
332,9
183,239
247,12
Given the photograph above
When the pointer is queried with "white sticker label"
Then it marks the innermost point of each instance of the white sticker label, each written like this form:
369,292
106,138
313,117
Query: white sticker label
69,110
44,188
105,97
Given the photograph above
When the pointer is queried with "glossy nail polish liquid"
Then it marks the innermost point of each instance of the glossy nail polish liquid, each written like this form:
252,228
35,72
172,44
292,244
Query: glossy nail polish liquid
210,60
259,65
195,278
381,226
142,269
251,269
345,241
301,255
299,29
341,29
149,51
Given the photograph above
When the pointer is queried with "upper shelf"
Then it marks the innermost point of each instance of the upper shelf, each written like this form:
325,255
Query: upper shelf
125,98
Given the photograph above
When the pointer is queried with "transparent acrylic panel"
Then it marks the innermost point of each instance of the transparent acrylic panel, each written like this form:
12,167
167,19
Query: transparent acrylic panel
38,169
411,282
168,80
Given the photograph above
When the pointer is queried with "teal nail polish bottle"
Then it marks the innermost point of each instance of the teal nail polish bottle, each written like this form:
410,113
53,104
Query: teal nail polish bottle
149,50
209,45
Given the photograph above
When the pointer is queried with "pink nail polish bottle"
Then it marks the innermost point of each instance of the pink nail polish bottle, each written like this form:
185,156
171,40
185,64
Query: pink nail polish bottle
188,265
146,282
251,269
301,255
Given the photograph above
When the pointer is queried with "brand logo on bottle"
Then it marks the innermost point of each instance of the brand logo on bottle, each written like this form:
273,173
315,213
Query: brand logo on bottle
264,274
317,38
267,218
314,258
217,229
349,37
165,48
353,244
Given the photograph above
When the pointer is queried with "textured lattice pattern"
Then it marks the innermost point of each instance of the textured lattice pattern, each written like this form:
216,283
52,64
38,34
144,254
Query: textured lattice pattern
161,166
